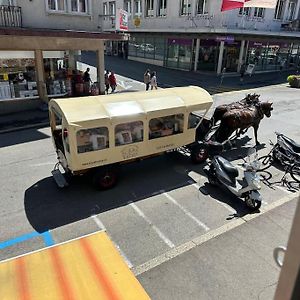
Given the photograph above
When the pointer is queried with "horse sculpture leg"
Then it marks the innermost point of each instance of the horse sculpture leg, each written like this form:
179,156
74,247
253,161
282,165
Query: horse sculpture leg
255,127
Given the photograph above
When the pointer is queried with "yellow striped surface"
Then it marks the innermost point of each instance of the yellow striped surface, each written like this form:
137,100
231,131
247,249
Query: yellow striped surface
87,268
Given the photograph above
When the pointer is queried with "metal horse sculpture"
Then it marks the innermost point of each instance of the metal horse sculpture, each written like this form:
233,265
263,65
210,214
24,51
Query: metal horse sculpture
249,100
242,119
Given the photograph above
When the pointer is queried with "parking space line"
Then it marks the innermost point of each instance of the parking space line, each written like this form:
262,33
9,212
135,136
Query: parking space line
156,261
102,227
189,214
160,234
48,239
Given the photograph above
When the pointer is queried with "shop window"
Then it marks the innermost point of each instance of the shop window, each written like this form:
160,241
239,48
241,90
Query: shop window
149,11
92,139
159,48
185,7
129,133
162,8
56,5
166,126
202,7
259,12
279,10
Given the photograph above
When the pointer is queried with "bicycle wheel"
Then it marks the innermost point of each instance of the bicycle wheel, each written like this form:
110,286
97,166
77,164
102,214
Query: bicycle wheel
295,172
266,161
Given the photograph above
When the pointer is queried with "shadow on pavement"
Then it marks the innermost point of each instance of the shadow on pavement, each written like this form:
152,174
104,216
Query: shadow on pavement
21,136
48,207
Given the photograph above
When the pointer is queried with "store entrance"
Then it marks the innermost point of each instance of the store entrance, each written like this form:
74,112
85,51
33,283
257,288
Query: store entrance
231,57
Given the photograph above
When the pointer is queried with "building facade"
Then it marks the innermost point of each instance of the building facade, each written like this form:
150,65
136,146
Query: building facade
196,35
40,47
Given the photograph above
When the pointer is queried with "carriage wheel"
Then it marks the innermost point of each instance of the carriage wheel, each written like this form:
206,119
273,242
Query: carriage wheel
266,161
295,172
105,178
199,154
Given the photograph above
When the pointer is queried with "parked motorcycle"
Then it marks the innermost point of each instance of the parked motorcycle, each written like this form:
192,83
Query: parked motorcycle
285,152
222,172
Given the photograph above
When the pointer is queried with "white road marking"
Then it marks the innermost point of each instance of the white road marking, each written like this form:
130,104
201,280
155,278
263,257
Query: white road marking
160,234
43,164
189,214
284,189
102,227
122,84
206,237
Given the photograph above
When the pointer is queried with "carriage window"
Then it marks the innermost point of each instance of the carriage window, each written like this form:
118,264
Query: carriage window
193,120
129,133
164,126
92,139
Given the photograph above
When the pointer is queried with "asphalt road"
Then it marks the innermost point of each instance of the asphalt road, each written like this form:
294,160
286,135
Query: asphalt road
156,206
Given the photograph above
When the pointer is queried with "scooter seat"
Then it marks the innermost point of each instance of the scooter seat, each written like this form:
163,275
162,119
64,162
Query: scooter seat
228,167
294,145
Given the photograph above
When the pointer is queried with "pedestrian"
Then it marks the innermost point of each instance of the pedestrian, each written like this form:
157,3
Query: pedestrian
153,80
242,73
87,81
147,78
106,81
112,81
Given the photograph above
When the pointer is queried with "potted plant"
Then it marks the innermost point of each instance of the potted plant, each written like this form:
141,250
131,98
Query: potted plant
294,81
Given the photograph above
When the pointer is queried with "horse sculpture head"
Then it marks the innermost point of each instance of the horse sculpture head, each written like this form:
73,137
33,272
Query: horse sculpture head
266,108
252,99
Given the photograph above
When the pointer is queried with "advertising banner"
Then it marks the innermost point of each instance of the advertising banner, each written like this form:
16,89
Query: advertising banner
122,20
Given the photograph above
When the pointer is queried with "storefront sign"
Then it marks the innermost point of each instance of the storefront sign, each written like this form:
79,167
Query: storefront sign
182,42
122,20
227,39
250,69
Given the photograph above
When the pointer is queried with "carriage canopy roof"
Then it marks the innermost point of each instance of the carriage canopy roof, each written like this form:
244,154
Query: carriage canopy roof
76,110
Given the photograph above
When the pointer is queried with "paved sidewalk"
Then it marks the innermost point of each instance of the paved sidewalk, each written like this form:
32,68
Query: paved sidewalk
237,264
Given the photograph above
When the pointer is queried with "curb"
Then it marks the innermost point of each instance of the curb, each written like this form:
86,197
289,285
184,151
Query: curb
37,125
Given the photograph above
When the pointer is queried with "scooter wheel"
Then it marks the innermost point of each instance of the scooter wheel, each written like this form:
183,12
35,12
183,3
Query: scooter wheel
252,204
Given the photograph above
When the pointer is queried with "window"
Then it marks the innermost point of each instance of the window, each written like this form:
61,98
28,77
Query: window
129,133
92,139
245,11
79,6
137,7
127,6
57,5
162,8
279,10
185,7
259,12
149,11
112,8
291,10
165,126
105,10
202,7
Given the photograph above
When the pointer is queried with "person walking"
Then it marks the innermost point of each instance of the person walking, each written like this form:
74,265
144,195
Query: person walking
153,81
147,78
106,81
242,73
112,81
87,81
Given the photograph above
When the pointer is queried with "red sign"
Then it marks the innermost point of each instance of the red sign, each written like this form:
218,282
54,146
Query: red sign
122,20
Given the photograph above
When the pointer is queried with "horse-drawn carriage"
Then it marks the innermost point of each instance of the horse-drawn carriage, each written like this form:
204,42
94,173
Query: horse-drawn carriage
230,121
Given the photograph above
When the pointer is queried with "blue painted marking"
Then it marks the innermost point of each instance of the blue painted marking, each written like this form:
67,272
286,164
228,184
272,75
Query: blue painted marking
18,239
48,238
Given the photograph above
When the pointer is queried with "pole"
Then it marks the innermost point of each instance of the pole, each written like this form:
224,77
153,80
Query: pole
220,60
197,54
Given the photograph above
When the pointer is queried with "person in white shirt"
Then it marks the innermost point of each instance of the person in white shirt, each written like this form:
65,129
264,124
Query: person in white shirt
153,81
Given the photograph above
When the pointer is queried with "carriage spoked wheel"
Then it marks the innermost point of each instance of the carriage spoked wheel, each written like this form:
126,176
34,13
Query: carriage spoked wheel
199,154
105,178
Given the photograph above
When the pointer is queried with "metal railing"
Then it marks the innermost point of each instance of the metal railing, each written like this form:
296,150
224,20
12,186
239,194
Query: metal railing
10,16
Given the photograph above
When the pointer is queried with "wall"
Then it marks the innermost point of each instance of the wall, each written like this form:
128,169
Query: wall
34,15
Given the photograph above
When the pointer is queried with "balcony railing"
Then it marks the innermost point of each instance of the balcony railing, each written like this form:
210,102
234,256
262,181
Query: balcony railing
10,16
291,26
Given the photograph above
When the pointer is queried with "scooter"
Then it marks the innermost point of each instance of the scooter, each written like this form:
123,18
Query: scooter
222,172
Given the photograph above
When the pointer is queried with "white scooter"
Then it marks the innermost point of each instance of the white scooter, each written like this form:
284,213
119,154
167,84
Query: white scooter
222,172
